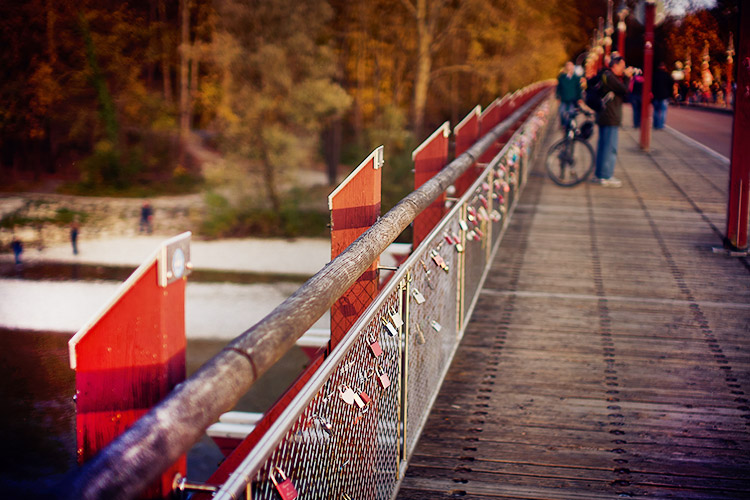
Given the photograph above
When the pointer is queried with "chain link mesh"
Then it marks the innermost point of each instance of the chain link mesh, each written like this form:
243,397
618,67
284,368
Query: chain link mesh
334,449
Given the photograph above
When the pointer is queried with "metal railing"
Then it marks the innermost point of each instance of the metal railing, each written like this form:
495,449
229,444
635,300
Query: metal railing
324,442
329,447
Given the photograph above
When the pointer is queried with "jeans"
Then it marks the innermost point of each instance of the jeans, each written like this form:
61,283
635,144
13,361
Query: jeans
635,100
566,112
606,152
660,113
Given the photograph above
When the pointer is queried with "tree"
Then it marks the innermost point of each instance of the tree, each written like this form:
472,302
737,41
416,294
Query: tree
277,88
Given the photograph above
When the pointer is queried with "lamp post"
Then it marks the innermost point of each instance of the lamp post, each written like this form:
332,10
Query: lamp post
739,170
730,63
622,13
609,29
648,71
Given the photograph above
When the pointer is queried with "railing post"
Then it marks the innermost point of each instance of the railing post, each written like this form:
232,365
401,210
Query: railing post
648,72
132,354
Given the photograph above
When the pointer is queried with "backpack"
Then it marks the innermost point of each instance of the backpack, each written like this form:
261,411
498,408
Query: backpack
596,97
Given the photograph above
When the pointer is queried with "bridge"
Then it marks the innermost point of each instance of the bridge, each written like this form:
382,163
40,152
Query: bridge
538,342
586,343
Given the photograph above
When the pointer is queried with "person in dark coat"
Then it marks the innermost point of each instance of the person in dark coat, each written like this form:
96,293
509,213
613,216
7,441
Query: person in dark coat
635,98
614,90
662,90
17,248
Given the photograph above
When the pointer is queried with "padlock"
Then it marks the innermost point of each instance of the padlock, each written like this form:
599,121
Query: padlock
471,235
285,488
347,394
463,225
358,400
438,259
435,325
420,335
398,322
382,377
325,425
485,186
484,215
366,399
389,327
418,296
375,348
483,200
495,216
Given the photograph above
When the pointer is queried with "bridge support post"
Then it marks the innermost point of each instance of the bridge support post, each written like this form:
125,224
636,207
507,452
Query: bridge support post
739,172
355,207
648,72
132,354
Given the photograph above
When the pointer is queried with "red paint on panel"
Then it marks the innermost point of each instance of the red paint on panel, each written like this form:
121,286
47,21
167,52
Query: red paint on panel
355,207
429,158
127,362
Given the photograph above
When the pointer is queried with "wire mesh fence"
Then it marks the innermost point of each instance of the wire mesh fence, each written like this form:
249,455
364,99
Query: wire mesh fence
350,432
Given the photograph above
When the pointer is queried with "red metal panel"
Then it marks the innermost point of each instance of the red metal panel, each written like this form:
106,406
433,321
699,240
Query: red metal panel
127,360
355,206
466,134
429,158
490,118
739,174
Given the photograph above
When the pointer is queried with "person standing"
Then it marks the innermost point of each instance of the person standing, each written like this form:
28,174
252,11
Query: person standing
17,248
635,98
569,93
74,228
614,90
662,89
146,221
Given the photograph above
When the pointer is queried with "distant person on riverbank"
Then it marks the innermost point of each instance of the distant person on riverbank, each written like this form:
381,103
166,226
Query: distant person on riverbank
663,84
74,228
147,215
17,247
569,92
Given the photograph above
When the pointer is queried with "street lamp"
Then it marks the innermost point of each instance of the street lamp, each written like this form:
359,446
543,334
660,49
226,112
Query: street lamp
609,29
622,13
730,62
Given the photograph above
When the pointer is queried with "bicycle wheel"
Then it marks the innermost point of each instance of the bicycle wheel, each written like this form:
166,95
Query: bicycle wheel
570,162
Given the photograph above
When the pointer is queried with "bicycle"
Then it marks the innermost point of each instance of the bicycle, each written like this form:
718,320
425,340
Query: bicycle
570,160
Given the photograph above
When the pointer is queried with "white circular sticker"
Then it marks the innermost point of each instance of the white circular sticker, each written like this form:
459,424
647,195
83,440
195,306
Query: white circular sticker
178,263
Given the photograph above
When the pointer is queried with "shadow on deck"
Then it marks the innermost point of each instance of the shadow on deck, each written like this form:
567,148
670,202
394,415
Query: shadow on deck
608,353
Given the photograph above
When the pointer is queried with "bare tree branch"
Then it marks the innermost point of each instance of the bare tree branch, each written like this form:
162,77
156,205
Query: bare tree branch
410,7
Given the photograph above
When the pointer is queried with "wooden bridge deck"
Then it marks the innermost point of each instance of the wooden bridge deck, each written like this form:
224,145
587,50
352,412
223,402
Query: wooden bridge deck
608,355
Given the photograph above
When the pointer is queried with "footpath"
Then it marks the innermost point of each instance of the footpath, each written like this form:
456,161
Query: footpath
608,354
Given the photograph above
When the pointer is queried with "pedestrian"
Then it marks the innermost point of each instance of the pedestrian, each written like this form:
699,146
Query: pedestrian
662,91
614,90
74,228
17,248
147,214
569,93
635,97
